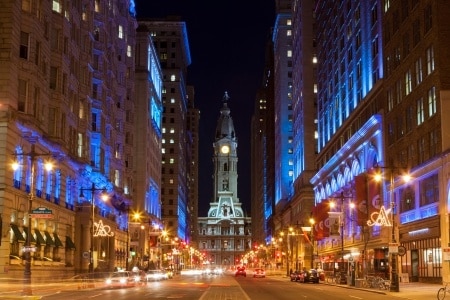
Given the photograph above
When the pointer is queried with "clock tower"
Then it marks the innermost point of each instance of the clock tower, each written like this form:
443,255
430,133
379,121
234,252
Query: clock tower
225,156
225,235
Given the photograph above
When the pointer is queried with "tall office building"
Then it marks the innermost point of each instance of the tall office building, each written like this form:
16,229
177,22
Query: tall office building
193,119
171,43
146,117
262,155
416,103
67,77
283,117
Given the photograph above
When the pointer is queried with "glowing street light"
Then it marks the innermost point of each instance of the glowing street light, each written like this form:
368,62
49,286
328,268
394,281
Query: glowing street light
27,290
104,197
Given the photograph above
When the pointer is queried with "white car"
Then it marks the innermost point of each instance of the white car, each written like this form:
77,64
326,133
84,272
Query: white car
156,275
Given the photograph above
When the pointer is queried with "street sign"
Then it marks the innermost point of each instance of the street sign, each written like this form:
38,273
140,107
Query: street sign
393,248
28,249
42,213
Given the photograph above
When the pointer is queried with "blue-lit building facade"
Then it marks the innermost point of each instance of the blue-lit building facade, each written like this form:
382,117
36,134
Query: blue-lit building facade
172,46
68,94
283,113
381,94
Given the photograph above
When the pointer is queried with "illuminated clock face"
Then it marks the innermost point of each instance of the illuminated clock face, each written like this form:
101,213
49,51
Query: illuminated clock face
225,149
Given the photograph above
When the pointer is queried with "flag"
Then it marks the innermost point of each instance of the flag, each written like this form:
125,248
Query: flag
321,225
361,199
375,202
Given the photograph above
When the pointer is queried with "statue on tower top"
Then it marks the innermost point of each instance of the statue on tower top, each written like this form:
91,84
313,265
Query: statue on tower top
225,97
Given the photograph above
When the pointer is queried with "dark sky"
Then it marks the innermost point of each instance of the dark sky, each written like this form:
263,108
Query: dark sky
227,43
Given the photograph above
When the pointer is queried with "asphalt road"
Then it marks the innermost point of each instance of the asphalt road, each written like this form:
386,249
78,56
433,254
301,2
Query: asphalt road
214,287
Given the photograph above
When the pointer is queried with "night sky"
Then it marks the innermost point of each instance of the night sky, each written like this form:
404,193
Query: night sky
227,43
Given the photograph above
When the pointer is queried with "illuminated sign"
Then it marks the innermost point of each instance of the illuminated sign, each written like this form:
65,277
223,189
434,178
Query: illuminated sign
380,218
102,230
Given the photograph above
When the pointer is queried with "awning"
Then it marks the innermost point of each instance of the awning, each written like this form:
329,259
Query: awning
48,239
69,243
58,242
18,236
40,239
25,230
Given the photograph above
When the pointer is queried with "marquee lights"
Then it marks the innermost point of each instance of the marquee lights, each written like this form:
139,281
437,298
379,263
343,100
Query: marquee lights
380,218
102,230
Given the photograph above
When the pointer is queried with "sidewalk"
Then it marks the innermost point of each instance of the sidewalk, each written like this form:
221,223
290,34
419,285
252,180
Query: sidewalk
412,290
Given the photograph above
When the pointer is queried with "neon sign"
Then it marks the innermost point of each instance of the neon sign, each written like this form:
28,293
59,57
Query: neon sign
102,230
380,218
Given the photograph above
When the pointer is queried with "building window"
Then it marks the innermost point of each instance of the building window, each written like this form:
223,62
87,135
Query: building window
56,7
429,190
120,35
407,201
420,111
24,44
432,107
418,67
408,82
430,60
428,18
23,95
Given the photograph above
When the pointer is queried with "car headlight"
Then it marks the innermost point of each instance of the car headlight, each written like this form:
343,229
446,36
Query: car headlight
108,281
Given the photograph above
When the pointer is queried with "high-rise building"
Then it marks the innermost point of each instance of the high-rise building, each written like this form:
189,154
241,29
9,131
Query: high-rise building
381,103
171,43
67,77
262,155
193,119
283,106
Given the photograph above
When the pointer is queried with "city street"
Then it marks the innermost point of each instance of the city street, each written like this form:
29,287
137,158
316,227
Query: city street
219,287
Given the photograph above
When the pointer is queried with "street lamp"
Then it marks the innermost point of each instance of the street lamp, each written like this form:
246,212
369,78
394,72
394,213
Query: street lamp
104,197
27,290
308,231
343,278
393,249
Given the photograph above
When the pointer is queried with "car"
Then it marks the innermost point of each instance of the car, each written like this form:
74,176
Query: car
139,276
156,275
169,273
295,276
240,271
259,273
120,279
309,276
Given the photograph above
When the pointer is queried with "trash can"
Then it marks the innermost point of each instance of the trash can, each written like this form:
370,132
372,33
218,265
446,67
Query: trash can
359,283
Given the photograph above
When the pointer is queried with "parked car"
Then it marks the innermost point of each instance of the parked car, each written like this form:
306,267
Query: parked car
295,276
259,273
309,276
240,271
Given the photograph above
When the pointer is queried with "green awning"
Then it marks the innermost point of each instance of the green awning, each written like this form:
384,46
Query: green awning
48,239
25,230
40,239
58,242
69,243
18,236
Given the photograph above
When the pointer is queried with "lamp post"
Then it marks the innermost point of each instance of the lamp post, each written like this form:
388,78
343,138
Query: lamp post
27,289
93,189
293,233
341,213
393,247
